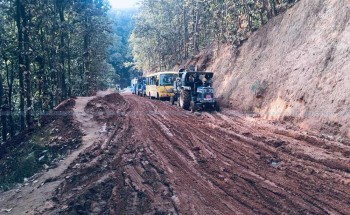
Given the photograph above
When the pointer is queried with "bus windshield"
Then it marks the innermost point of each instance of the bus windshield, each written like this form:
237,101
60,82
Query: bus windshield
166,79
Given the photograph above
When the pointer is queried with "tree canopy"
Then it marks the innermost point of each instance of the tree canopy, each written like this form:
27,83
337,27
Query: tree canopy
50,50
169,31
120,56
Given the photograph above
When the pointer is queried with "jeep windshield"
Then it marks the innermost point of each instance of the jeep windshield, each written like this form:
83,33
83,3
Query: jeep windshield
167,79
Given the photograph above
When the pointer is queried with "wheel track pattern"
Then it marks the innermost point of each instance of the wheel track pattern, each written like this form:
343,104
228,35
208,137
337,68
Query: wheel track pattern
158,159
236,164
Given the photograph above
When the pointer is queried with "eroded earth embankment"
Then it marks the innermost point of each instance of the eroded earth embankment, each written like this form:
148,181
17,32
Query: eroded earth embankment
295,68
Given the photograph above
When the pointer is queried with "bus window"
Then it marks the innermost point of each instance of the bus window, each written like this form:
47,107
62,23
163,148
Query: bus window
167,79
153,80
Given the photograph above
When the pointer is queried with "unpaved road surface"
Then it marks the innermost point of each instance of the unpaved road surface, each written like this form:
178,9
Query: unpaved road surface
144,156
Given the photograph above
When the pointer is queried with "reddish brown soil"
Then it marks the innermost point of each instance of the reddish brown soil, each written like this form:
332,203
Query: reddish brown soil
295,68
157,159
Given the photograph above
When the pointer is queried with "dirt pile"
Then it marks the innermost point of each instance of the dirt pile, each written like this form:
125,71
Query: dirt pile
295,68
105,109
90,179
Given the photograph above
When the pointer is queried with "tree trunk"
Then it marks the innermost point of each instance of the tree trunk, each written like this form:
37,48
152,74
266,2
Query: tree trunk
3,111
193,28
20,63
196,42
69,69
185,45
10,78
88,74
40,61
261,17
273,7
50,82
62,82
28,95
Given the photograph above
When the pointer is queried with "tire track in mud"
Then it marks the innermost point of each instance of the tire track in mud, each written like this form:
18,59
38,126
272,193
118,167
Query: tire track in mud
214,179
174,161
211,153
227,166
157,159
117,174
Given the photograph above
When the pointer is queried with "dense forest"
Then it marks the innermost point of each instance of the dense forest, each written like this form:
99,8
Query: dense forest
55,49
120,56
170,31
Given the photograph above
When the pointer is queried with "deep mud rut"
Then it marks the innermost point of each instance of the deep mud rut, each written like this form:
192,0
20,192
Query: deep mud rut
143,156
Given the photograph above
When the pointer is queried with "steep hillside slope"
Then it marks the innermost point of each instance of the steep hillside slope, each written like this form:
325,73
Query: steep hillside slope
295,68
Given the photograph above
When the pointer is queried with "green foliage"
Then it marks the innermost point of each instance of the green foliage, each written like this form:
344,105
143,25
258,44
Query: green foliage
169,31
49,51
40,149
20,165
120,56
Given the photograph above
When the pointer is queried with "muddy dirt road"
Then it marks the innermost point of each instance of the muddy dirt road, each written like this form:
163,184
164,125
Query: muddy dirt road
148,157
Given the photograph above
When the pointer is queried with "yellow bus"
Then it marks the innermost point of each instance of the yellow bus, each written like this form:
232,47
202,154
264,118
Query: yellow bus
160,85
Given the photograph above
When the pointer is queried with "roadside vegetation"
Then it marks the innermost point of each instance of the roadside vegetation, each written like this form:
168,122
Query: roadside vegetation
169,32
58,49
51,51
26,154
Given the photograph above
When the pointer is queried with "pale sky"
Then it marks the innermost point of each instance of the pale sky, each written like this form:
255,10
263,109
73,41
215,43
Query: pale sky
123,4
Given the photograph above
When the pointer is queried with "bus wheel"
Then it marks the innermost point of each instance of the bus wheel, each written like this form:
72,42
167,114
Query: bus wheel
172,100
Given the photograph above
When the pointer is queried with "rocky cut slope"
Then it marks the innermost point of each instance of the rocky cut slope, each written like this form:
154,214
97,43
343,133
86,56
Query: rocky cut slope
295,68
